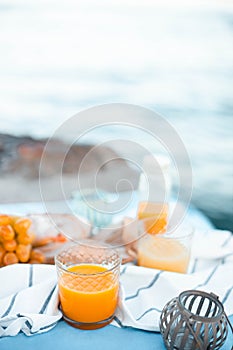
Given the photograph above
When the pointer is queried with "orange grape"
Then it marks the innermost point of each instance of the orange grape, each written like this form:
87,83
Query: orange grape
2,252
10,258
25,238
14,218
22,225
5,219
10,246
18,244
7,233
37,255
23,252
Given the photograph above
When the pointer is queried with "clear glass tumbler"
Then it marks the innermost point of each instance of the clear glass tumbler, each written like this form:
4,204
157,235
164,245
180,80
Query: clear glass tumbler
88,280
169,251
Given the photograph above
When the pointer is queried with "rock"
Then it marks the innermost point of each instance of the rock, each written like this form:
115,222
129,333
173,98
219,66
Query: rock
20,160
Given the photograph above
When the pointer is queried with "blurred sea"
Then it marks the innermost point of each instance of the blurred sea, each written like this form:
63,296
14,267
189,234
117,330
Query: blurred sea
175,57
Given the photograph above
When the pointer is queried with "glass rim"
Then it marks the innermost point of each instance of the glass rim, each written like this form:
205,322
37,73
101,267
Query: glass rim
171,234
107,247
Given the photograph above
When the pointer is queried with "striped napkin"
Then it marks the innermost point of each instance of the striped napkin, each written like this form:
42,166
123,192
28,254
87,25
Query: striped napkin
29,295
28,299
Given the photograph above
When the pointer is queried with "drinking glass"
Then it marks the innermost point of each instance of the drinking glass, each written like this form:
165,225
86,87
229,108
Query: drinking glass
93,205
88,281
169,251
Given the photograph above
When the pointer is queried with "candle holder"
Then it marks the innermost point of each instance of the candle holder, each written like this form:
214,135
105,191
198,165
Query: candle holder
194,320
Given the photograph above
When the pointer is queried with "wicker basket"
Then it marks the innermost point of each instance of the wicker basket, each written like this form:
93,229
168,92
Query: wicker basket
194,320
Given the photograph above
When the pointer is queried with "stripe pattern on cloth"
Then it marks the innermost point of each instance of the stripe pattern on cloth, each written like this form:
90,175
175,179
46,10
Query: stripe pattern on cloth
28,299
29,293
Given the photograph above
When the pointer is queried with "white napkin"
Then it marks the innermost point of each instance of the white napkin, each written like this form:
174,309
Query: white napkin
29,296
28,299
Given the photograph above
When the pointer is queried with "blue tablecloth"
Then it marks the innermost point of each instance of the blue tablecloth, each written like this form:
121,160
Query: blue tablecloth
65,337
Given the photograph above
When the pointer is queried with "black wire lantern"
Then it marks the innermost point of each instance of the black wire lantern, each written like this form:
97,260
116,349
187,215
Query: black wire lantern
194,320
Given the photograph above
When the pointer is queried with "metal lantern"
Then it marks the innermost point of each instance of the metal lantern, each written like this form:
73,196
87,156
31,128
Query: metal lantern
195,320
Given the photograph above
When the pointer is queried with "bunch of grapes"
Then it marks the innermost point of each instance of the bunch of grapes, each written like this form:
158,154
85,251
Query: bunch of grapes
16,241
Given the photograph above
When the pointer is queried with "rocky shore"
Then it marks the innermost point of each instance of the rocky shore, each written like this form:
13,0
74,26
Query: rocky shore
20,159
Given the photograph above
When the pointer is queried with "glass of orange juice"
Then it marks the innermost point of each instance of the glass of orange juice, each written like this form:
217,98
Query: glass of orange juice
154,216
88,281
169,251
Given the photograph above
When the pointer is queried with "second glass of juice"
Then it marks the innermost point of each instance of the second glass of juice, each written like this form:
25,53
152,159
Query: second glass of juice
88,280
169,251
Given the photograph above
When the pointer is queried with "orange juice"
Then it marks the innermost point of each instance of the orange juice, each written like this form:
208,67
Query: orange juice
163,254
88,293
155,216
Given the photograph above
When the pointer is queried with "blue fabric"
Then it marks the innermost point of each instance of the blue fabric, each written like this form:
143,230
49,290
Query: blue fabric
65,337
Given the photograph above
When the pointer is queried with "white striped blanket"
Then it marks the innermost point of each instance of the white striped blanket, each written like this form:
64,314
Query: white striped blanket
29,295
